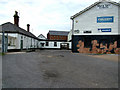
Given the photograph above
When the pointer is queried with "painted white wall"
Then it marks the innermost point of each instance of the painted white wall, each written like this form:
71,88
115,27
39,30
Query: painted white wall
51,44
69,36
41,37
70,45
28,42
88,21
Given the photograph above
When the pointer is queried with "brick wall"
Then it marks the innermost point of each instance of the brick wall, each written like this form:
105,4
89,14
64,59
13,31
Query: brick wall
57,37
98,48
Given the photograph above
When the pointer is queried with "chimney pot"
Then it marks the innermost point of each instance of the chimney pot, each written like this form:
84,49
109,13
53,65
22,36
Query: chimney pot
16,18
28,27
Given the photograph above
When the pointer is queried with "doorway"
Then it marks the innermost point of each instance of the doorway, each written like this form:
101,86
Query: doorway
64,46
21,45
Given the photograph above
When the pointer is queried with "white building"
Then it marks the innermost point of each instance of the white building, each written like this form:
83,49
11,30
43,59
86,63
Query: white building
52,44
41,36
100,21
14,37
55,43
69,36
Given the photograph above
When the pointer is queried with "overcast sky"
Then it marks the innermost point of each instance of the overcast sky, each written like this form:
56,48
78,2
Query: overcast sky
42,15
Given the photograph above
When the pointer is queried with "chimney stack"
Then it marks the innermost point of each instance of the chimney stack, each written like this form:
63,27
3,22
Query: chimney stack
28,27
16,19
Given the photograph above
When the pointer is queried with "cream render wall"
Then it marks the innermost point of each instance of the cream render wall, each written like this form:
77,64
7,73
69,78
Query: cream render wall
88,21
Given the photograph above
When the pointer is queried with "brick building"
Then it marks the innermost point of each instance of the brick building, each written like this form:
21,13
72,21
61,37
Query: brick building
57,35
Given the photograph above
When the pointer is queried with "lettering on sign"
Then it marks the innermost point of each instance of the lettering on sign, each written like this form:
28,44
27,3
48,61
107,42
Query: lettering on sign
103,6
105,29
105,19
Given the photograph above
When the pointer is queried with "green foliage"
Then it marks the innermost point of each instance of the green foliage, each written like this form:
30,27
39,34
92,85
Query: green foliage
2,54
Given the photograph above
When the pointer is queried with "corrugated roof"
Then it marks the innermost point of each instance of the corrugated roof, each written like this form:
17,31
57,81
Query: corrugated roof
11,28
91,6
63,33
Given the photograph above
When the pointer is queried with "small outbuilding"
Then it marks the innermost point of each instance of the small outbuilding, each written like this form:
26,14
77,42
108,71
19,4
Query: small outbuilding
56,40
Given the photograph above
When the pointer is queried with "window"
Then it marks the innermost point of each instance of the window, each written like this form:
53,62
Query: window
47,43
55,43
42,44
21,37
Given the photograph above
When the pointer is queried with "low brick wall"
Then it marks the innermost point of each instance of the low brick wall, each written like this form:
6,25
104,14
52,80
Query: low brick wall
98,48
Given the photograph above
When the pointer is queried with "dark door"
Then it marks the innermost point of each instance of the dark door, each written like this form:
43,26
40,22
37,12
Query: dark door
6,43
64,46
21,45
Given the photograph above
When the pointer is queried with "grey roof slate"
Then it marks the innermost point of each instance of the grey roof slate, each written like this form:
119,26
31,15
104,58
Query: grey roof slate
11,28
63,33
86,9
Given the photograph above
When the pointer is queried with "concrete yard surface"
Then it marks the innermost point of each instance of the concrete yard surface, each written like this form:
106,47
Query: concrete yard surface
58,69
113,57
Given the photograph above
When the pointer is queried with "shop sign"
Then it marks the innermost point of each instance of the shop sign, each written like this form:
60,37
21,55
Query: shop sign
104,29
105,19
